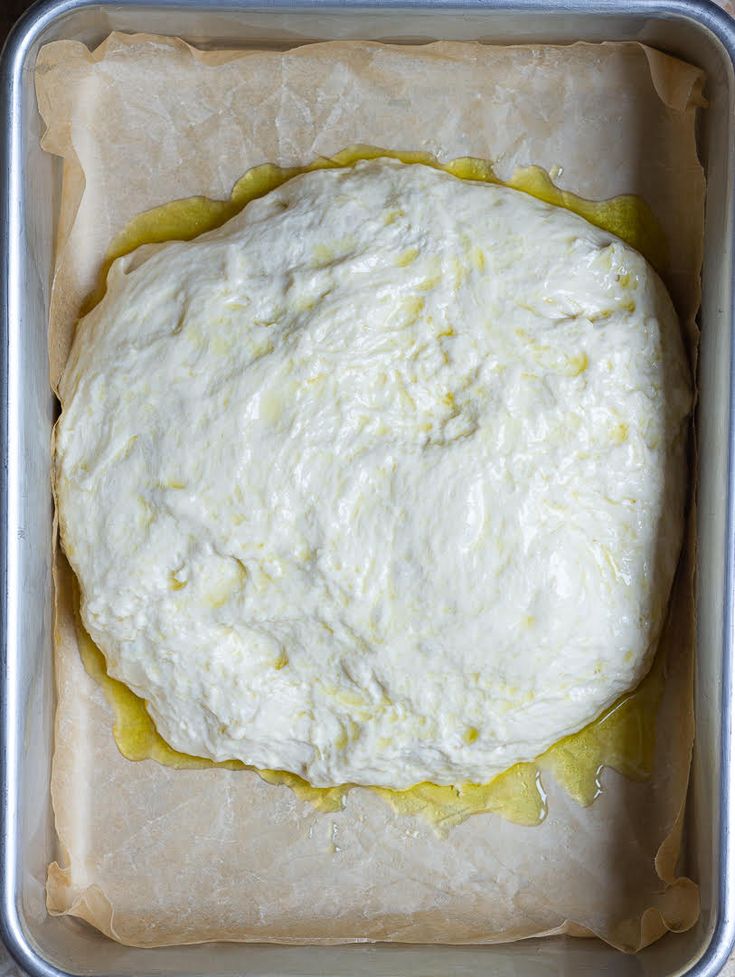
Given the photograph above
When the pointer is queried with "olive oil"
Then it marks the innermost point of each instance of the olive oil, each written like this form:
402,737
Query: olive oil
622,738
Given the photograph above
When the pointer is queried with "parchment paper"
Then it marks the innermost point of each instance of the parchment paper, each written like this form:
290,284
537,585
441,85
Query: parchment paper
152,855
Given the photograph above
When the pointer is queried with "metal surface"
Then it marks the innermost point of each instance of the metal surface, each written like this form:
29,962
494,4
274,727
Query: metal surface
29,191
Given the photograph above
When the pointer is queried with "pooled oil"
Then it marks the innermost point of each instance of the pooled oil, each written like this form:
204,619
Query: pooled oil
622,738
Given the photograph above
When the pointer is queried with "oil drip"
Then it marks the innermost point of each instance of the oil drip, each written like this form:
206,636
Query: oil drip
622,738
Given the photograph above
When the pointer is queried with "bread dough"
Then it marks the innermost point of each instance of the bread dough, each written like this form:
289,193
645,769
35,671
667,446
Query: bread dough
382,481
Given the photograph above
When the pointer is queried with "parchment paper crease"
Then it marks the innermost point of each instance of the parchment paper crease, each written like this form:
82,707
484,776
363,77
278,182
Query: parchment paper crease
152,855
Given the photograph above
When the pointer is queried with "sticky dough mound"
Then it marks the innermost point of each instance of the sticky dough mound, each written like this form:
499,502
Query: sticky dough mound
382,481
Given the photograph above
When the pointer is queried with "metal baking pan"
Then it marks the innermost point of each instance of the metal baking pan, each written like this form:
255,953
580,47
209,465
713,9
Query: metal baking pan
696,30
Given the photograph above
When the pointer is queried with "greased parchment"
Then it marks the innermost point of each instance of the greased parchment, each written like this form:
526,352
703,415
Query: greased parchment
153,855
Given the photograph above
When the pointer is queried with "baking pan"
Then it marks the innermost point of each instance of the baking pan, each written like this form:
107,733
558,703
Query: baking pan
696,30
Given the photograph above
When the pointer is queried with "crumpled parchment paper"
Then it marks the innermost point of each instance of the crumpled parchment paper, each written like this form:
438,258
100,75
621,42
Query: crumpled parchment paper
153,855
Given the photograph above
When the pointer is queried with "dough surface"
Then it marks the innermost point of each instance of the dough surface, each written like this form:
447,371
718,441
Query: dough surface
382,481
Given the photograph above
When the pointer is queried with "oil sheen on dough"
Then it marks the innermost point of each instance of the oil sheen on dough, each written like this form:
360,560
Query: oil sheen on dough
437,544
